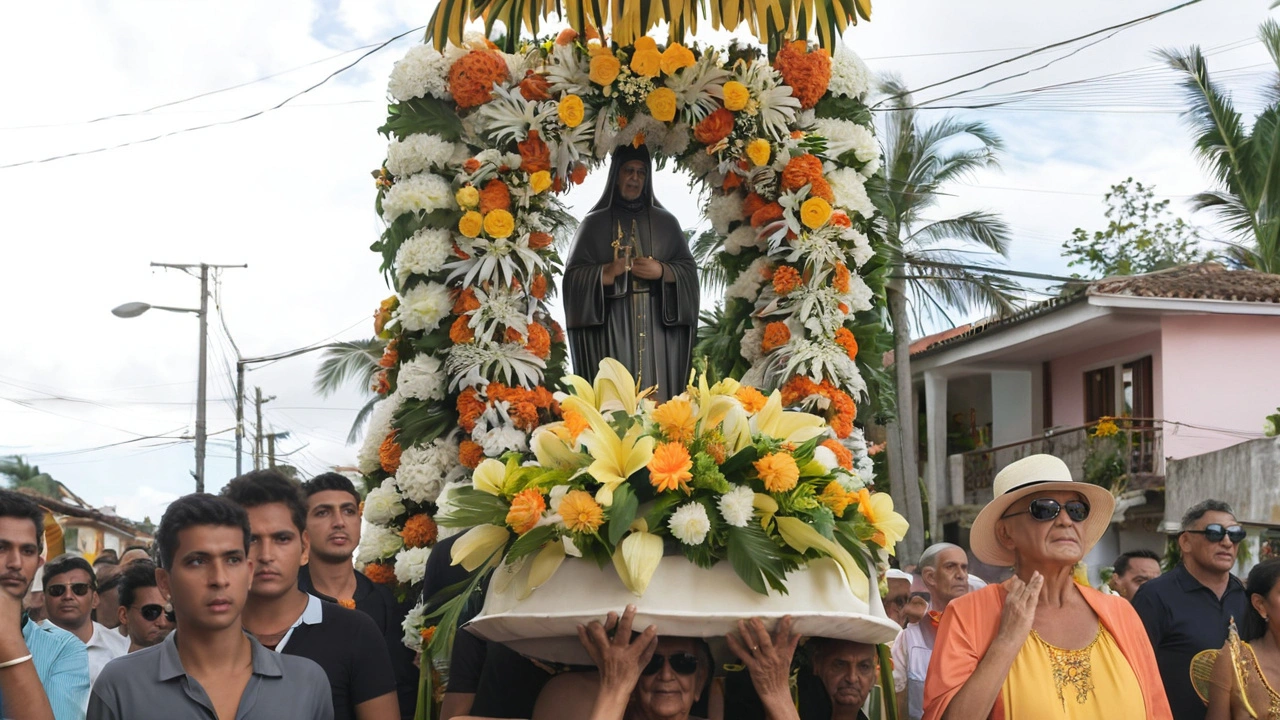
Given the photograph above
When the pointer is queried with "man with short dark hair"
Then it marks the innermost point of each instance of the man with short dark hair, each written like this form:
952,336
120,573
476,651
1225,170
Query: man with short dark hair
70,596
60,660
141,612
1132,570
333,533
1189,608
344,642
944,568
216,669
108,596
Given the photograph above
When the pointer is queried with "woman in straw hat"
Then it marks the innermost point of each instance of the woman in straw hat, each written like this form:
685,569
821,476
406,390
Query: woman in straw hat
1039,645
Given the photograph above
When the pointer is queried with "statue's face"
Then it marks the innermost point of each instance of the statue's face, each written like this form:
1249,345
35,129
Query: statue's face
631,179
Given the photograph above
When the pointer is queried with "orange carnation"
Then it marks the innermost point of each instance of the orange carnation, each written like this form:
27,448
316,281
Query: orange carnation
840,218
470,454
714,127
776,334
534,154
766,215
472,77
801,170
389,454
778,471
786,279
844,457
526,509
846,340
471,165
419,531
534,87
539,341
840,281
523,415
669,467
578,174
539,240
494,196
380,573
752,399
808,73
798,388
538,288
821,188
470,408
460,331
753,203
465,302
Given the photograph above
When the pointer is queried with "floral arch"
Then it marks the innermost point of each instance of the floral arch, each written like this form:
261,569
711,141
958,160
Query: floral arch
482,427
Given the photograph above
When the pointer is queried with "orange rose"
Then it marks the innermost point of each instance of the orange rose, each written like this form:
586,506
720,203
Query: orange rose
714,127
604,68
646,62
675,57
539,240
494,196
534,154
534,87
752,203
662,105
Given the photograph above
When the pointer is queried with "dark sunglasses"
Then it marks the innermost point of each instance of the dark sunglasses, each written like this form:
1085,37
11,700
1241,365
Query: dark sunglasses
151,612
682,663
57,591
1214,532
1046,509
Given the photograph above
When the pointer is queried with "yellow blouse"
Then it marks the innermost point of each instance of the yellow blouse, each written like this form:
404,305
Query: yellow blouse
1049,683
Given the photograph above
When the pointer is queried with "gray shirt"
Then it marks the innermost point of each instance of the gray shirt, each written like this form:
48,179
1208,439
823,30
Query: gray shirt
151,684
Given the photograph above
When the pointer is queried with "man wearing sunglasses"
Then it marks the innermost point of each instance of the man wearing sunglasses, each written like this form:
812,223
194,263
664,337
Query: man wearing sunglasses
142,608
1189,608
70,595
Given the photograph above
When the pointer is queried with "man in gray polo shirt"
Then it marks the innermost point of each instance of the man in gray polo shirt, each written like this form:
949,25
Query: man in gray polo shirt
208,667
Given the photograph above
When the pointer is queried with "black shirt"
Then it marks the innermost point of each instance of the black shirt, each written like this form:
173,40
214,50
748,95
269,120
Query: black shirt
742,703
380,605
1183,617
348,646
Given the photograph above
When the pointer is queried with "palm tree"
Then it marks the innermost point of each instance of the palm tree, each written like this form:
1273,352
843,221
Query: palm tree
21,475
353,361
936,265
1245,164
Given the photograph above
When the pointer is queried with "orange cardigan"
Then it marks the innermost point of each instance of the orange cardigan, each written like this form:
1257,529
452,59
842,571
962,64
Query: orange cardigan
969,626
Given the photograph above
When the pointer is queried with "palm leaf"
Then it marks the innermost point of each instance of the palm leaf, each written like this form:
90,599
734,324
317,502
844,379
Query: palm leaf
354,361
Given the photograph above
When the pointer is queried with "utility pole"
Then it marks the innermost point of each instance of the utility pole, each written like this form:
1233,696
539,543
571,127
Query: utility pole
239,415
271,450
258,402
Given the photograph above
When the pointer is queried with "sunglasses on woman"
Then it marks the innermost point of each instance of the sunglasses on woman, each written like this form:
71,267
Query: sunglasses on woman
682,663
1214,532
151,612
57,591
1046,509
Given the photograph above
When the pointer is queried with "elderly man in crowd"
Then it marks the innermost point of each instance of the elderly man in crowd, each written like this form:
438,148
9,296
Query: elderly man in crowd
944,568
70,596
895,603
1132,570
1189,608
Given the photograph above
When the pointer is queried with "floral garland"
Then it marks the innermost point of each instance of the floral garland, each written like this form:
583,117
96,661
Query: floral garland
481,144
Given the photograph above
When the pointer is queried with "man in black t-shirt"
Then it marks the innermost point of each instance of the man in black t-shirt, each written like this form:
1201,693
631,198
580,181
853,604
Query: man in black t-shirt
345,643
333,532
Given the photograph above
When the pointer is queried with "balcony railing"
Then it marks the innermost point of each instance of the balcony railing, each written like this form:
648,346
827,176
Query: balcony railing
1131,457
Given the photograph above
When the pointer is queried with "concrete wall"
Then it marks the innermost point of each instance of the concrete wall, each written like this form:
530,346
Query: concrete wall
1219,375
1246,475
1011,406
1067,374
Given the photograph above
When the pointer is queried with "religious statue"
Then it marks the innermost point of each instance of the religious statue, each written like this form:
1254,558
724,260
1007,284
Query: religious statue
630,284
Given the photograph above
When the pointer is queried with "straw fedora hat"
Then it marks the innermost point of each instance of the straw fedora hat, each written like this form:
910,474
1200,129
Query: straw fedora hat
1030,475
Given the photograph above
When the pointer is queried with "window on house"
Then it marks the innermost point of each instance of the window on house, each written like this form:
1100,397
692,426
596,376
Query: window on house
1099,393
1137,387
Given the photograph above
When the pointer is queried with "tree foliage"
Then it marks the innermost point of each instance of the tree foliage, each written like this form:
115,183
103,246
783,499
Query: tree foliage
1141,236
19,474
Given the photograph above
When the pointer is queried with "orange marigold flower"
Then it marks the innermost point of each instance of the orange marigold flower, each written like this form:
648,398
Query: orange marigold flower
534,87
526,509
419,531
801,170
472,77
512,336
557,332
798,388
808,73
786,279
840,281
843,308
538,289
714,127
539,342
428,633
470,408
819,187
834,496
675,418
581,512
844,410
380,573
460,331
465,302
470,454
347,603
669,467
732,181
778,471
539,240
381,385
534,154
390,356
843,456
389,454
776,334
494,196
840,218
752,203
766,215
752,399
574,423
846,340
523,415
578,173
717,451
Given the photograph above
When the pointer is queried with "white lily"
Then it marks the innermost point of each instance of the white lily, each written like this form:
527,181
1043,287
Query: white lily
479,544
615,459
792,427
489,476
637,558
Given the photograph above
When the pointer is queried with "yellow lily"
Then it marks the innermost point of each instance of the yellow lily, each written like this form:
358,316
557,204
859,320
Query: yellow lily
801,536
477,545
615,459
552,450
792,427
489,476
767,506
613,389
877,508
637,558
544,566
712,406
736,428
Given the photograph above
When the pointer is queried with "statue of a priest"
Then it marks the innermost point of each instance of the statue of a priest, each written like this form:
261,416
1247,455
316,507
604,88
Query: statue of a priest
630,285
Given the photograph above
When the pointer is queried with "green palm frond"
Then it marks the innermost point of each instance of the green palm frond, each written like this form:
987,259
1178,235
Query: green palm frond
357,425
711,274
354,361
977,227
21,474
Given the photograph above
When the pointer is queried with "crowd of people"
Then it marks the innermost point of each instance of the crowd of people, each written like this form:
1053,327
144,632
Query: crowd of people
248,606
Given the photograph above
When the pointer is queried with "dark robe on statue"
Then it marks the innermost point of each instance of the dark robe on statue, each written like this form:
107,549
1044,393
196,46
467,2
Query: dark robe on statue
647,325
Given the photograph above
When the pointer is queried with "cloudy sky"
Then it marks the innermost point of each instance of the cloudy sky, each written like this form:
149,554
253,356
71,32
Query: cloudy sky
103,403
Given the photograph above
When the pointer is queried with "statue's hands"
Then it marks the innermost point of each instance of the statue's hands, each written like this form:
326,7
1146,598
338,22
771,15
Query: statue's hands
613,270
646,268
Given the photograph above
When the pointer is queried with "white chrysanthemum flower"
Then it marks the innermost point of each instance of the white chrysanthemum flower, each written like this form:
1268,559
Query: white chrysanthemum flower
861,251
424,192
495,434
422,378
850,76
423,306
744,236
870,168
859,296
411,565
850,192
752,345
843,136
747,284
378,429
517,64
377,542
412,627
382,504
723,210
418,152
736,506
424,470
825,457
690,524
422,71
866,470
424,253
865,146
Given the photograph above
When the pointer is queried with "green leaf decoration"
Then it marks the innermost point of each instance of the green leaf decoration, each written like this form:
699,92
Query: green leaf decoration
470,507
424,114
658,512
740,460
757,559
530,542
622,512
843,108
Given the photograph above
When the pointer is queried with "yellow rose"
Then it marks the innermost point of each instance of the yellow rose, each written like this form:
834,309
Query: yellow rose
540,181
815,212
471,223
646,62
662,104
467,197
570,110
645,43
736,95
759,151
604,68
676,56
499,223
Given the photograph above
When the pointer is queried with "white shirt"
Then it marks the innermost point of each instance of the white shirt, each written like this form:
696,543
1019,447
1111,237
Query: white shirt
911,653
104,646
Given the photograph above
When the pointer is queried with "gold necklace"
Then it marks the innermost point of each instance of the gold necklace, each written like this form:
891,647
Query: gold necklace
1071,667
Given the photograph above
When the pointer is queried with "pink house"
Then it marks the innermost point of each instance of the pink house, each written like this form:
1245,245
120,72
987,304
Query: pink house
1189,354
